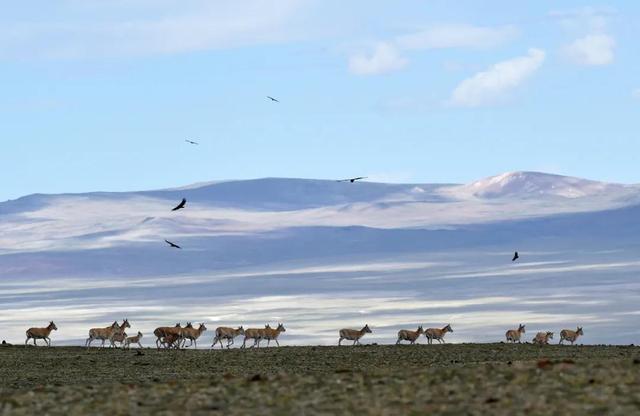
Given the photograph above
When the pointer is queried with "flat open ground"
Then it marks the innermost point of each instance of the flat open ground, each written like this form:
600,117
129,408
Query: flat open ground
441,379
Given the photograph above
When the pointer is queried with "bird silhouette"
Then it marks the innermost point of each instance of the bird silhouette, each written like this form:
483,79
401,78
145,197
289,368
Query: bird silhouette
515,256
352,180
191,142
172,244
180,205
273,99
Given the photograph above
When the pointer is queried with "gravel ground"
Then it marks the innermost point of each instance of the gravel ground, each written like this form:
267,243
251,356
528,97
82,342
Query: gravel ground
454,379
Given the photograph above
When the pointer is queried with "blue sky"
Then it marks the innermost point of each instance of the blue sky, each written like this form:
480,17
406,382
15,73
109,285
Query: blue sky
101,95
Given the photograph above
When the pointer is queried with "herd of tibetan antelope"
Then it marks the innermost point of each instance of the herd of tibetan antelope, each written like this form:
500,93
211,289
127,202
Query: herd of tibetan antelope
175,337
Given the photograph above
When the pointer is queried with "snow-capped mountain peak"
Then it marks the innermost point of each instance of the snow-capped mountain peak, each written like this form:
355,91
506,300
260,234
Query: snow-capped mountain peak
536,184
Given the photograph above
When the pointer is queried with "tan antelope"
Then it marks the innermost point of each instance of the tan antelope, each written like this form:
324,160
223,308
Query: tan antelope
570,335
163,332
437,334
272,334
227,333
118,334
353,334
133,340
192,334
542,338
117,338
171,341
514,335
408,335
256,334
41,333
101,334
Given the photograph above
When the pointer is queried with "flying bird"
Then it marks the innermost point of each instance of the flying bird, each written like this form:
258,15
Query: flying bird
180,205
172,244
515,256
273,99
191,142
352,180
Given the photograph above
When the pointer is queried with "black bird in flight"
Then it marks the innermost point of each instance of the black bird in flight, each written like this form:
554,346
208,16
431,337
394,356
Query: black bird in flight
191,142
352,180
172,244
515,256
273,99
180,205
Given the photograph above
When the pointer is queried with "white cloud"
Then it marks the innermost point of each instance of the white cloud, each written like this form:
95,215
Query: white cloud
457,36
141,28
636,93
488,87
592,45
585,19
594,49
385,58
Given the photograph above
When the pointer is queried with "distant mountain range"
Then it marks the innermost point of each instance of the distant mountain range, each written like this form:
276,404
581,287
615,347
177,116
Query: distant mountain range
320,254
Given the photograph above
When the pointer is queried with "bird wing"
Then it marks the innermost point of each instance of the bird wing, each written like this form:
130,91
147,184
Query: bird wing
172,244
272,99
180,205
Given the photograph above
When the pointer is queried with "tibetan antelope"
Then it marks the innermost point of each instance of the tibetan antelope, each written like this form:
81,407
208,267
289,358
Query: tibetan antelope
41,333
171,341
192,334
272,334
408,335
542,338
570,335
353,334
133,340
163,332
117,338
514,335
118,334
256,334
437,334
102,334
227,333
